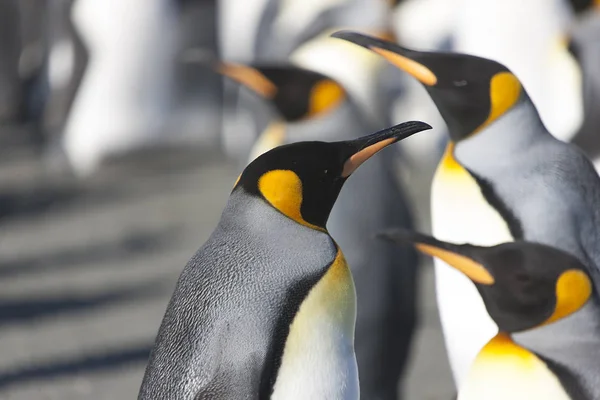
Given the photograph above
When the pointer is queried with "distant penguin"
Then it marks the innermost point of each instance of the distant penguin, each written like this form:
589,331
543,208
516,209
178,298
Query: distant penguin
532,45
358,70
66,63
198,92
266,308
584,43
125,96
503,177
524,286
238,28
288,24
312,106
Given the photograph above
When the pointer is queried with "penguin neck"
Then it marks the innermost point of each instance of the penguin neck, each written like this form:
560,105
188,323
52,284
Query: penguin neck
505,370
498,143
502,345
572,344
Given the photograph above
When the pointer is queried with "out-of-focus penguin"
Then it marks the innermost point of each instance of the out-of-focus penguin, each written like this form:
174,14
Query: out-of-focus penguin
125,96
585,46
503,177
288,24
533,48
66,63
311,106
524,286
266,308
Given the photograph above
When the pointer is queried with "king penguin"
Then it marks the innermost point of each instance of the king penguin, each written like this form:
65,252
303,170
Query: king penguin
266,308
524,285
503,177
312,106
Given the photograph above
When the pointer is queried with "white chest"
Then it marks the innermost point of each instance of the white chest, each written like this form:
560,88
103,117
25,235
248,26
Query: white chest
461,214
504,370
318,360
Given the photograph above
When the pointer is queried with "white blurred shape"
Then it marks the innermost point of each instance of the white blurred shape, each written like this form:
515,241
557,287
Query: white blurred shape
238,25
61,63
125,94
526,37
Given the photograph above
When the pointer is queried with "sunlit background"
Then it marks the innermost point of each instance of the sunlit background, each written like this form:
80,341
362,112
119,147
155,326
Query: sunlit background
120,143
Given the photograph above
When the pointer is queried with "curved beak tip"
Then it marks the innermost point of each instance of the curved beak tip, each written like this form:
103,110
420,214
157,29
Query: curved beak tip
406,129
354,37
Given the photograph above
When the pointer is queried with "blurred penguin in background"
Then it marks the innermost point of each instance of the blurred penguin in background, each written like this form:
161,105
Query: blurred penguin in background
585,46
298,31
309,106
287,24
198,93
528,37
65,65
126,92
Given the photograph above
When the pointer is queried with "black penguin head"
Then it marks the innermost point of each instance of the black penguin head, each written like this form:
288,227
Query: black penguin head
523,284
470,92
302,180
297,93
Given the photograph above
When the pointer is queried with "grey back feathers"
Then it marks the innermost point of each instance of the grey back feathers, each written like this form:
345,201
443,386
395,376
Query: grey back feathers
225,328
551,187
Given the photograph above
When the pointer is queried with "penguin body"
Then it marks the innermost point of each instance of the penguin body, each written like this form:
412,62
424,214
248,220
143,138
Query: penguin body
524,286
266,308
542,189
385,275
228,339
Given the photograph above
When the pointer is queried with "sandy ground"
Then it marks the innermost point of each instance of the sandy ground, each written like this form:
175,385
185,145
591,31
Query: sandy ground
86,272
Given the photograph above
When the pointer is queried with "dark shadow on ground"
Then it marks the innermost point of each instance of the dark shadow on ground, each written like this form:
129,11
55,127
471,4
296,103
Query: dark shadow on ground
136,244
91,362
39,307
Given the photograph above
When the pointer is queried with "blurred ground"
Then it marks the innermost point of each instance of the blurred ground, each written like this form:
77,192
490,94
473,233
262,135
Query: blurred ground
86,271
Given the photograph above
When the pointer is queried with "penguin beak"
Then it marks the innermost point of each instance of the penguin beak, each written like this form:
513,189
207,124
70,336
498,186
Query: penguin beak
368,146
405,59
249,77
451,254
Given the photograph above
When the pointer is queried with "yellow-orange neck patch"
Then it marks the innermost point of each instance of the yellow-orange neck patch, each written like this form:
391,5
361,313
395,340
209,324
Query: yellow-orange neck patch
505,90
502,348
283,190
573,290
449,163
325,96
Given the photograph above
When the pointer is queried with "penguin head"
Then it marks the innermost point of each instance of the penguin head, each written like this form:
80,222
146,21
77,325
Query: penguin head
470,92
297,93
302,180
524,285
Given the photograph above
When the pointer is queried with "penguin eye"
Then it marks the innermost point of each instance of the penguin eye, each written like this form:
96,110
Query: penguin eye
460,83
